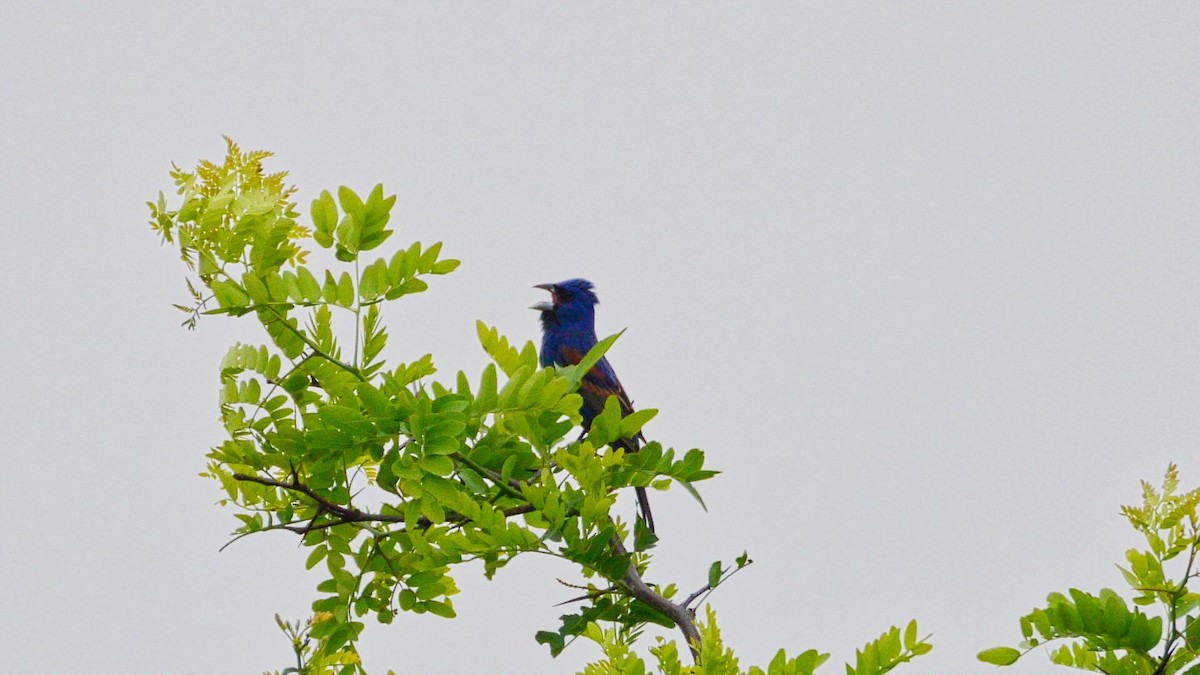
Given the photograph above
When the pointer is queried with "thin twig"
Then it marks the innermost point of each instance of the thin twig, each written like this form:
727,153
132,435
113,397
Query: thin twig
590,595
709,588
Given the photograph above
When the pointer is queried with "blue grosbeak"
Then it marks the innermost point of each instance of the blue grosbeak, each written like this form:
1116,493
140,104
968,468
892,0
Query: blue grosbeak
568,334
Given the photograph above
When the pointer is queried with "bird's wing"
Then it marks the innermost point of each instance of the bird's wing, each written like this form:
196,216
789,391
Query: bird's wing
598,384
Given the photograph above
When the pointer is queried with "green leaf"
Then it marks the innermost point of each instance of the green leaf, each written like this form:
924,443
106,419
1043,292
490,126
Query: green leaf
429,257
409,287
577,372
315,557
352,204
442,445
407,599
345,290
445,266
324,217
439,465
634,421
368,284
910,635
554,641
691,489
256,288
643,538
1000,656
714,574
441,609
473,481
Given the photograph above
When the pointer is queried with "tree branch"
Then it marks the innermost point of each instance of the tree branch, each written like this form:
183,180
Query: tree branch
703,589
679,614
347,514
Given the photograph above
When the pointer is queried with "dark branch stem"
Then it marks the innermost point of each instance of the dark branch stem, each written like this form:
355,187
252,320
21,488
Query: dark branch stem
679,614
346,514
688,601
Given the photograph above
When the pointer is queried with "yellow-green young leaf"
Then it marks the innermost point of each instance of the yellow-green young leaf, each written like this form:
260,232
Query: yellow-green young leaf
1000,656
292,283
1089,609
910,634
809,661
315,557
529,354
324,217
310,288
445,266
432,510
399,268
413,256
345,290
275,287
889,644
256,289
777,664
506,469
208,264
229,294
348,235
375,218
351,204
330,290
438,465
273,366
376,197
487,387
532,389
382,284
473,481
442,445
374,400
513,386
368,285
409,286
429,257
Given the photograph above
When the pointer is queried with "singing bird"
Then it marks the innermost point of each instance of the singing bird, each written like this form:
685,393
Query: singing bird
568,334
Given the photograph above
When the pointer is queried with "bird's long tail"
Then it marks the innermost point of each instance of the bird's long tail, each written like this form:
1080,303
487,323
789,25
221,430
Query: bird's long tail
644,507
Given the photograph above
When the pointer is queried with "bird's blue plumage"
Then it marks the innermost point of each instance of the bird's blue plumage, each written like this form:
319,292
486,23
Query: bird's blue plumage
568,334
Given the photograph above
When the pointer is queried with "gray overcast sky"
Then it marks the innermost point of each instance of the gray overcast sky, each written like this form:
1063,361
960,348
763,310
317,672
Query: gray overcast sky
920,278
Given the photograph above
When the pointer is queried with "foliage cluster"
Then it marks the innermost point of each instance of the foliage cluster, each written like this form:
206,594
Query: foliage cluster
393,479
1102,633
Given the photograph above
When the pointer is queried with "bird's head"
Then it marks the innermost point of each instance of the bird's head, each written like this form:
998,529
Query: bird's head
571,301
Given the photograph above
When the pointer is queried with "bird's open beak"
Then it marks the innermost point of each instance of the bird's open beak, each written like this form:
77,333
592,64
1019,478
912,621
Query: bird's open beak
544,306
